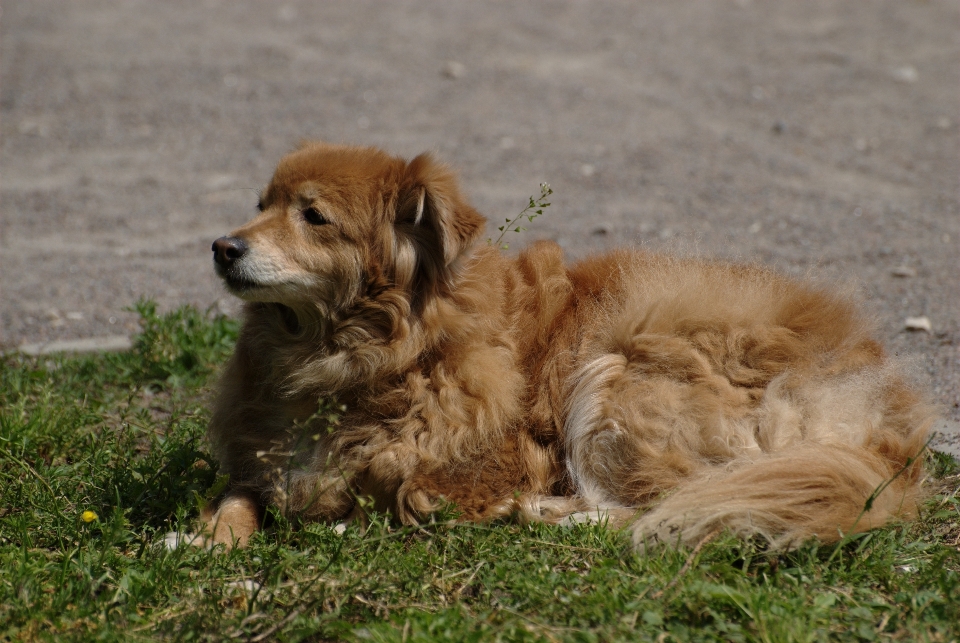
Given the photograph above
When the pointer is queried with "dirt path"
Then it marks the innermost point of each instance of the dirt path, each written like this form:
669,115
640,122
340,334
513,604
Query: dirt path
818,136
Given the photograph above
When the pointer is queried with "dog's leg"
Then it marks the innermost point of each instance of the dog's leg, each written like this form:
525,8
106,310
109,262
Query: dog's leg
232,521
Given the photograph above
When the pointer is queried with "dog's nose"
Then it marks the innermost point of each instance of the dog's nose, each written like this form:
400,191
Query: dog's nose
226,250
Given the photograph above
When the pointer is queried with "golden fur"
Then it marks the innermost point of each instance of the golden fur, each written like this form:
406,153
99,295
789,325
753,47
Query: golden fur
678,395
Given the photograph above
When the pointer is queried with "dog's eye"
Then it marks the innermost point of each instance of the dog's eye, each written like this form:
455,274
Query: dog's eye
313,216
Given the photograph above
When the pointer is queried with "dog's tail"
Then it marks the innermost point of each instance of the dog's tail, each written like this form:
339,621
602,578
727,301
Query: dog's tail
815,490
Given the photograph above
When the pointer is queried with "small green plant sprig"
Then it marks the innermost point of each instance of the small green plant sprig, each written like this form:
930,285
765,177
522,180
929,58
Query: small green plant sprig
531,212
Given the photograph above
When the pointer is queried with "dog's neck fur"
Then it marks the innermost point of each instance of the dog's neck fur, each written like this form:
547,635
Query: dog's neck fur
508,308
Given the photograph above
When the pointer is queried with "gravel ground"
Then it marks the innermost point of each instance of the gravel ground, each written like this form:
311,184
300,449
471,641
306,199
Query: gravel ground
818,136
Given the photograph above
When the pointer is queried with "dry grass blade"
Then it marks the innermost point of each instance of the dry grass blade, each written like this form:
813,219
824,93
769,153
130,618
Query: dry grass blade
687,563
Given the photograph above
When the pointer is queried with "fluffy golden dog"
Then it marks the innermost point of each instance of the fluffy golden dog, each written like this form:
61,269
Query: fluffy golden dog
680,396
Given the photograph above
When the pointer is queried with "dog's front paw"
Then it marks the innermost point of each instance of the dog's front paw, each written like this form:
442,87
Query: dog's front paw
232,522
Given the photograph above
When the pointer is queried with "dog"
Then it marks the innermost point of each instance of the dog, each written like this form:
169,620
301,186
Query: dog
674,396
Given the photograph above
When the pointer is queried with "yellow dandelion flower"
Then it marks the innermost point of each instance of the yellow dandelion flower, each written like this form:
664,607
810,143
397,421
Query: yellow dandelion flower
88,516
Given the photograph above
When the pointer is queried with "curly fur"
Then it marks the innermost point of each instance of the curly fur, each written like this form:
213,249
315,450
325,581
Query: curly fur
676,395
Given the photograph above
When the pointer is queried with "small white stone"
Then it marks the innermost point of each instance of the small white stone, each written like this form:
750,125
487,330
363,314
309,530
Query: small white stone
918,323
454,70
219,181
74,316
31,127
247,585
340,528
906,74
587,170
903,271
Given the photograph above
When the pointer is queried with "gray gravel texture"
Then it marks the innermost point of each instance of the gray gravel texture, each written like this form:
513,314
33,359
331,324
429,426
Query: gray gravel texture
946,438
817,136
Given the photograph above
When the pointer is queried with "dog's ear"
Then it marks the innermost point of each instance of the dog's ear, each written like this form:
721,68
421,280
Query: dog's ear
433,214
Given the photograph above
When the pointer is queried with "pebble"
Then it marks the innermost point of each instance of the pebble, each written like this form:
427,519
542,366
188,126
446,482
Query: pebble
918,323
219,181
903,271
454,70
601,230
587,170
30,127
906,74
340,528
247,585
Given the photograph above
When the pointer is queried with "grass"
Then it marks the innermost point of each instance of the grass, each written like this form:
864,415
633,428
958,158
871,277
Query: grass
121,435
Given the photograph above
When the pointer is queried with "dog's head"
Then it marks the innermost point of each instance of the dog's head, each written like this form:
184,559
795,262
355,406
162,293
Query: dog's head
338,223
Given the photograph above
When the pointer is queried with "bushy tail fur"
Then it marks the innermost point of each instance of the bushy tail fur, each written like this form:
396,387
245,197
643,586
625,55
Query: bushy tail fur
811,490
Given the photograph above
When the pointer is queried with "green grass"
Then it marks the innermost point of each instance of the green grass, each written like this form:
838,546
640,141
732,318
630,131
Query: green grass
122,435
